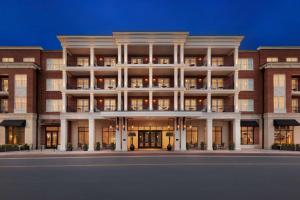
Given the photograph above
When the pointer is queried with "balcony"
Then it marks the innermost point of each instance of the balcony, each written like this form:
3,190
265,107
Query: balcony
78,109
222,109
105,108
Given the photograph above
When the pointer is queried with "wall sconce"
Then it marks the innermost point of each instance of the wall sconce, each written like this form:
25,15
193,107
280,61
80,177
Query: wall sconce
154,59
199,58
184,127
190,126
146,79
200,80
101,59
100,100
154,79
200,100
146,59
146,100
101,80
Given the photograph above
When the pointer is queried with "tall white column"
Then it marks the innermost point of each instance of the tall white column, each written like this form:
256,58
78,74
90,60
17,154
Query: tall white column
181,100
119,53
208,56
182,77
150,100
64,102
64,77
124,135
92,102
176,135
125,53
236,79
118,134
208,79
63,134
181,53
92,79
236,102
119,77
236,56
237,133
125,77
65,56
209,139
175,100
175,53
183,135
150,77
125,100
92,56
119,101
91,134
175,77
150,53
208,102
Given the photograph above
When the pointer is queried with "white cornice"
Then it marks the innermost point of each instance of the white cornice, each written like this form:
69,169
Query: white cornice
280,65
18,65
21,48
278,47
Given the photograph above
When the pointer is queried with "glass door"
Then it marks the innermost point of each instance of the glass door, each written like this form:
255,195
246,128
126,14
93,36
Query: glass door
150,139
51,139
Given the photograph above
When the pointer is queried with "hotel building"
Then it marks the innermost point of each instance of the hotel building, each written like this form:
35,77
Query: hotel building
149,89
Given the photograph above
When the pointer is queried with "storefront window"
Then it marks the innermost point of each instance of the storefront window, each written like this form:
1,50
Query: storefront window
217,135
108,137
15,135
284,134
192,137
83,136
247,135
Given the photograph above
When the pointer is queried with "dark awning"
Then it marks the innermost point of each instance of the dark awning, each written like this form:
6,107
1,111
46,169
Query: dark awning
20,123
249,123
286,122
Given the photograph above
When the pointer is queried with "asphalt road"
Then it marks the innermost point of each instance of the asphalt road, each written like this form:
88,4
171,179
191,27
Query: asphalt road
151,177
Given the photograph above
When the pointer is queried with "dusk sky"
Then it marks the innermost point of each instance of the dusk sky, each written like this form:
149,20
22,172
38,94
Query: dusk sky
262,22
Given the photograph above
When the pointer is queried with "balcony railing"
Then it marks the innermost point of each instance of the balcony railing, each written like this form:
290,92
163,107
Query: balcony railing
138,108
78,109
105,109
196,108
196,87
222,109
224,87
77,87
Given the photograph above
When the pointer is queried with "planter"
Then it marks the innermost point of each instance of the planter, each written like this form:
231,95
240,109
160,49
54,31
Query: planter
98,147
85,147
69,147
169,147
131,147
202,146
231,146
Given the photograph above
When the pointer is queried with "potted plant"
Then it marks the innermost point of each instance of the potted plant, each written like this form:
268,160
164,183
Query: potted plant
231,146
169,134
98,147
85,147
297,147
214,146
202,145
69,147
131,135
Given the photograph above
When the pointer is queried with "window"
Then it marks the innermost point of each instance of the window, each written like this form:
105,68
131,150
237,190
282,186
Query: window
272,59
53,105
279,93
247,135
246,105
217,135
8,60
284,135
163,60
20,104
4,84
163,82
20,93
217,61
136,60
109,104
245,64
83,136
191,61
279,80
137,104
190,83
108,137
109,61
295,108
246,84
53,84
54,64
292,59
82,61
4,105
279,104
82,105
109,83
295,84
136,82
15,135
217,105
192,137
217,83
21,81
29,60
163,104
190,104
83,83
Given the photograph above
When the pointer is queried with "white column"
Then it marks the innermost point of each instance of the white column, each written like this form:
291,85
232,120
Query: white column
125,100
237,133
125,77
208,102
125,53
182,77
181,100
236,79
119,101
119,53
150,77
175,77
92,104
92,79
183,136
208,56
64,77
236,102
175,53
150,100
208,79
118,134
91,134
63,134
92,56
65,56
182,53
236,56
64,102
124,135
176,135
119,77
150,53
175,100
209,140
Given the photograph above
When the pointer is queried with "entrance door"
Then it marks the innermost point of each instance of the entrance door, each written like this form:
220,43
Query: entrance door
51,139
150,139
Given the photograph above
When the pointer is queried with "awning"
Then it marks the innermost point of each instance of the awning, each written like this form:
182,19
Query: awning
249,123
286,122
19,123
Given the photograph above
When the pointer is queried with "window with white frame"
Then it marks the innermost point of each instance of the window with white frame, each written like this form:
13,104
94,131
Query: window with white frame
246,105
54,63
109,83
83,61
29,60
190,83
279,104
292,59
82,105
295,108
163,82
217,61
137,60
109,61
191,61
53,84
8,60
190,104
83,83
279,93
163,104
109,104
137,104
4,105
217,83
246,84
217,105
295,84
272,59
20,104
53,105
163,61
245,64
136,82
4,84
20,81
279,80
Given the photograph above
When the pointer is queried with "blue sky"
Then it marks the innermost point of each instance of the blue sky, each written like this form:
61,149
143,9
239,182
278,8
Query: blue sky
37,22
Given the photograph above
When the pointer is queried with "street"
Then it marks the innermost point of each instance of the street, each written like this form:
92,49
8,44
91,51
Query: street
151,177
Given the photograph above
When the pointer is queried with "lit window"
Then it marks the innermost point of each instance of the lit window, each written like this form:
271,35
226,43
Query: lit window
4,105
137,104
191,61
20,104
217,105
246,84
109,104
109,61
163,104
292,59
82,61
20,81
20,93
109,83
295,84
54,64
163,82
247,135
53,105
136,82
163,60
190,83
82,105
295,108
29,60
136,60
83,136
279,80
4,84
217,83
53,84
279,104
83,83
284,134
245,64
8,60
246,105
190,104
272,59
217,61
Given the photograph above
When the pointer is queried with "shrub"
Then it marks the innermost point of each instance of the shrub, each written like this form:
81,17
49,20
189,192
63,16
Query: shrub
9,147
85,147
25,147
275,146
214,146
202,145
98,147
231,146
69,147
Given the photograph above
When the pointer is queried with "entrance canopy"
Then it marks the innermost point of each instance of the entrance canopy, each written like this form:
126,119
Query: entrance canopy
18,123
249,123
286,122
